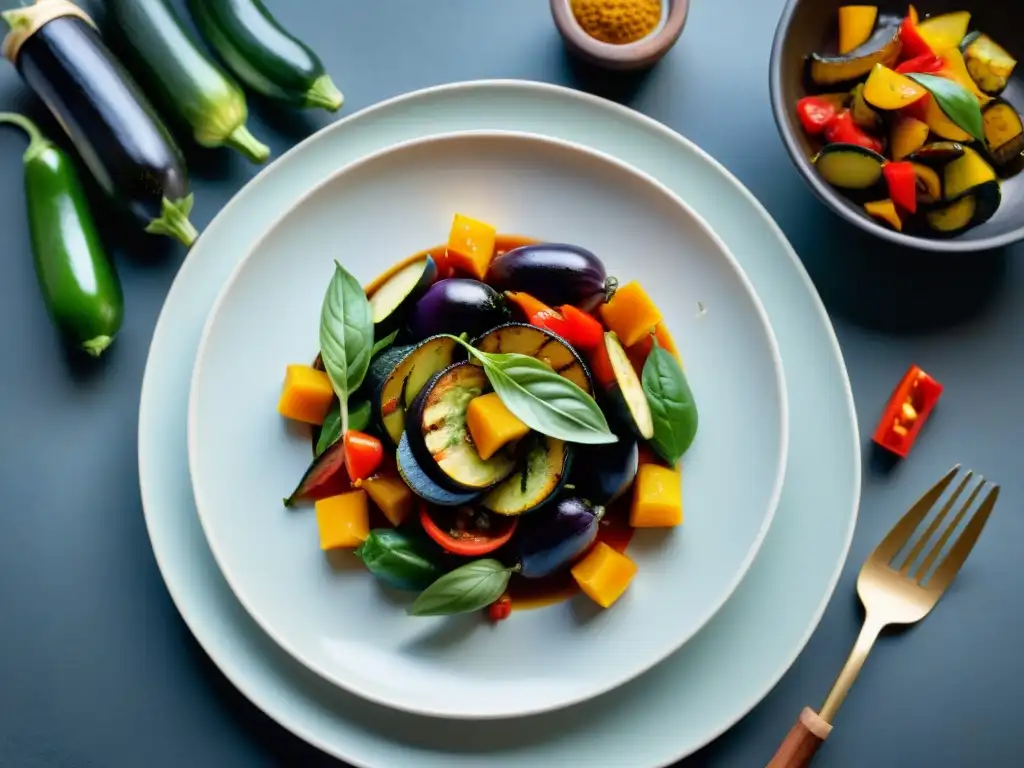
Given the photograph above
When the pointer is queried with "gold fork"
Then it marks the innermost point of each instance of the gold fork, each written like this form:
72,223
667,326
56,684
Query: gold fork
893,595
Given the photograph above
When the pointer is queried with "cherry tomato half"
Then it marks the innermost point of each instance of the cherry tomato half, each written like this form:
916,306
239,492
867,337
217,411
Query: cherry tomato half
466,531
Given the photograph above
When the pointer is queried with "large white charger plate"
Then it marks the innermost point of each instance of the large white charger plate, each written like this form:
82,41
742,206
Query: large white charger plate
688,699
332,616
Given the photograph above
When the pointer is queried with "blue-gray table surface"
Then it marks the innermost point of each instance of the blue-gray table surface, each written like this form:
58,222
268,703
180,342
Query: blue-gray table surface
97,667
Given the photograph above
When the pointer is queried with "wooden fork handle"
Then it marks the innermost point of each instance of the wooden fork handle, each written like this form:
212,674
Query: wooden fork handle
802,741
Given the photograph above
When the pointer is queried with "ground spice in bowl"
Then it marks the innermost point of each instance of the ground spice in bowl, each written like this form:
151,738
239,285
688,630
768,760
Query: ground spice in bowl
618,22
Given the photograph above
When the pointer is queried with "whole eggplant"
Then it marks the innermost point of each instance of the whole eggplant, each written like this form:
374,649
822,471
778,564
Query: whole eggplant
111,123
554,273
602,473
457,305
549,543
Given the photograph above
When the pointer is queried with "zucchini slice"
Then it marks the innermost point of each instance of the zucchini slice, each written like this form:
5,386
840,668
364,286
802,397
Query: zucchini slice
541,344
955,217
861,112
397,375
849,166
929,184
883,47
537,478
965,174
420,484
392,301
937,154
626,393
1004,132
439,436
988,63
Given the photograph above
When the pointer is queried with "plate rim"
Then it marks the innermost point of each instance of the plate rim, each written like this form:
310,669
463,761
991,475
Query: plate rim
613,681
177,586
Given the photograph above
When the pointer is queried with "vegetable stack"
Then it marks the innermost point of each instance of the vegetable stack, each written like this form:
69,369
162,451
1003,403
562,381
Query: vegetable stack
509,408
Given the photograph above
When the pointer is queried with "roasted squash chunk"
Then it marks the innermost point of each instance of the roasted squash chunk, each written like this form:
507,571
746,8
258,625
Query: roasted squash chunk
391,495
886,211
908,135
630,314
492,425
604,574
306,396
471,246
344,521
657,497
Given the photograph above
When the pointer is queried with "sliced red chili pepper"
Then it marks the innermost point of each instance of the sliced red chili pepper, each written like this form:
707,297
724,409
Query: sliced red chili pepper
584,331
902,181
909,406
466,531
363,454
912,44
927,63
500,609
843,130
815,114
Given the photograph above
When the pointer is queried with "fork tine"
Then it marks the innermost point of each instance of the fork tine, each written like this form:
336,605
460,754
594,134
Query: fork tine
950,565
934,526
901,532
950,529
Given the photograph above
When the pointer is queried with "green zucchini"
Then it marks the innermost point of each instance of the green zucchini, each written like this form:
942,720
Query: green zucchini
861,112
1004,131
966,173
988,63
954,218
849,166
626,393
263,55
186,83
392,302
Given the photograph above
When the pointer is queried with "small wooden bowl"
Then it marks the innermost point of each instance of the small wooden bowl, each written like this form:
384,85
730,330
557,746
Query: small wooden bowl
639,55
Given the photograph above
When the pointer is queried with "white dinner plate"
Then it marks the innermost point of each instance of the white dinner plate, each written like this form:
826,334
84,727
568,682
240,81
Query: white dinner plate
688,699
244,458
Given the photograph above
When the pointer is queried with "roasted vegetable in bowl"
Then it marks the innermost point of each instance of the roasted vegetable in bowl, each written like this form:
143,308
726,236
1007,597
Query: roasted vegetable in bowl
497,453
908,119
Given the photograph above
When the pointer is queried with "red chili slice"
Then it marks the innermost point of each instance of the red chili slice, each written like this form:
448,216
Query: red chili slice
905,413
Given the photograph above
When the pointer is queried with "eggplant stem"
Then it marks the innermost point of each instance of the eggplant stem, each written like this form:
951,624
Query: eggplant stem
324,93
174,222
95,346
37,143
611,285
247,144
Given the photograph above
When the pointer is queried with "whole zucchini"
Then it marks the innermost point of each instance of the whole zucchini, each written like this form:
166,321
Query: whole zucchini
126,147
188,85
81,290
263,55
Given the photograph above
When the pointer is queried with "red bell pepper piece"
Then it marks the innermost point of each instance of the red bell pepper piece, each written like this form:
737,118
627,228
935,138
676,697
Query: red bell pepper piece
902,183
928,63
905,413
363,454
815,114
843,130
912,44
572,324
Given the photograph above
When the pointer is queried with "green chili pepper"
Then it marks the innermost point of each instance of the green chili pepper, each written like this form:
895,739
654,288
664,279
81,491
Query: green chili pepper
79,284
399,559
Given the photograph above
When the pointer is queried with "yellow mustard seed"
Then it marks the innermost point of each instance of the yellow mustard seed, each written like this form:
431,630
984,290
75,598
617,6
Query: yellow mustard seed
617,21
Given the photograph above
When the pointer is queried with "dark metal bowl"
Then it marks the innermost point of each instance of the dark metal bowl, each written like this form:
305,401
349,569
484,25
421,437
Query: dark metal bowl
809,25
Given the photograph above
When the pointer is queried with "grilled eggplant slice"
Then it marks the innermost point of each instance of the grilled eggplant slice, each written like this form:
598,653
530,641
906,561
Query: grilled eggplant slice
541,344
988,63
537,479
424,487
1004,132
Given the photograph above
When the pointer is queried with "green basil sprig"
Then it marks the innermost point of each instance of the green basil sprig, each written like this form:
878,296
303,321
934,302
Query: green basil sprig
468,588
383,344
542,399
960,105
358,419
346,336
673,409
399,559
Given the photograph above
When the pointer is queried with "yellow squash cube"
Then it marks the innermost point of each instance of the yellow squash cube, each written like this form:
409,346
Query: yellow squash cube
471,245
657,497
492,425
604,574
306,396
344,520
630,314
391,495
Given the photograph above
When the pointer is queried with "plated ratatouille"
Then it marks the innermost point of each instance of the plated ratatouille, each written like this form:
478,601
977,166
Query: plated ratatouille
491,420
913,106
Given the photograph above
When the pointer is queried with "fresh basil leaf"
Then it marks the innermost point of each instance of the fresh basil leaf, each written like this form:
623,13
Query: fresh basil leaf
358,419
673,409
469,588
960,105
398,558
346,333
383,344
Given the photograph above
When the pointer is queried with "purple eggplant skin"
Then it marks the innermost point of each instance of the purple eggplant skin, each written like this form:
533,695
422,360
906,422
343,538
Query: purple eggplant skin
553,540
457,305
602,473
554,273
